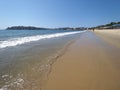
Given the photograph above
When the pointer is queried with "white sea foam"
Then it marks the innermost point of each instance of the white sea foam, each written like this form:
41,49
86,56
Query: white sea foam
17,83
3,88
22,40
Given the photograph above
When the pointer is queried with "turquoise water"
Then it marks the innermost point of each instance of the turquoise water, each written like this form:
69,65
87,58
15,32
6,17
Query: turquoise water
26,56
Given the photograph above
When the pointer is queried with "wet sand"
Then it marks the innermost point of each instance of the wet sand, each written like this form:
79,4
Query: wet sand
89,64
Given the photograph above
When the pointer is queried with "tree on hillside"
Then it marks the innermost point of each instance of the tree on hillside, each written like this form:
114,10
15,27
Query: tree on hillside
110,24
118,22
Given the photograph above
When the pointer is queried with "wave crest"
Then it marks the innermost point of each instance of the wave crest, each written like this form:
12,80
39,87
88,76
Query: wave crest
22,40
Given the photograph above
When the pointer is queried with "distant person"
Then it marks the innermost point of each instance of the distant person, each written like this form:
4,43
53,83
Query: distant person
93,29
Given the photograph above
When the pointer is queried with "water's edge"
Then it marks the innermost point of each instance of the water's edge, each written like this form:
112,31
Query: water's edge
39,75
59,54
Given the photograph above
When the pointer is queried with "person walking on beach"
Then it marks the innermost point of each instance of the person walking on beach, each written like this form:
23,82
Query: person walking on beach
93,29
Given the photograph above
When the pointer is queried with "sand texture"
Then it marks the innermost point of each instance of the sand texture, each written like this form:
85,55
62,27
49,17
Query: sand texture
111,36
90,63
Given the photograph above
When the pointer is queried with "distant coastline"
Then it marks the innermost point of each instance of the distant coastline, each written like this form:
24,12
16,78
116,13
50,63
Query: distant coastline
112,25
39,28
25,28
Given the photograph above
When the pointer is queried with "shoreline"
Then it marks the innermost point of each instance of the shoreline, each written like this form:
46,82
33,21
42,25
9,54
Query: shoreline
36,63
59,54
78,69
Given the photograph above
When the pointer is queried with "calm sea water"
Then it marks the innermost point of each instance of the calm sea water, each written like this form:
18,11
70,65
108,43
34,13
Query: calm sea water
26,56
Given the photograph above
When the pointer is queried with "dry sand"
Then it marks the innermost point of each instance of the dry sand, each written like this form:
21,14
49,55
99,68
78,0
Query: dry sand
89,64
111,36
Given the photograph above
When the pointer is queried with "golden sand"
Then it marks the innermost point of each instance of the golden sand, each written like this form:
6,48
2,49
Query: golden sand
89,64
111,36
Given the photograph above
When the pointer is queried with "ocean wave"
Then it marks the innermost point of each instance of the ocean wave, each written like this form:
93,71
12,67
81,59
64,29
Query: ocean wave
22,40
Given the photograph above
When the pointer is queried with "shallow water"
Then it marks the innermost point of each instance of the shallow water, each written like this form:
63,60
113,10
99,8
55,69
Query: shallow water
26,66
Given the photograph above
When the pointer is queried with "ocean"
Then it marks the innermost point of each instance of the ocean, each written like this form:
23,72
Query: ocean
26,56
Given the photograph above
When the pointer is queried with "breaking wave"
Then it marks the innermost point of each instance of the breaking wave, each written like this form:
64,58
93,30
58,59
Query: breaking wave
22,40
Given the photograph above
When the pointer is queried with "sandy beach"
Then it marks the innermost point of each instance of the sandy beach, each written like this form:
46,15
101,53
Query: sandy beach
91,63
111,36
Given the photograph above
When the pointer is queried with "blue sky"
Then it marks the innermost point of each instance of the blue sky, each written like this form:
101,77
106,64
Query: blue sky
58,13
